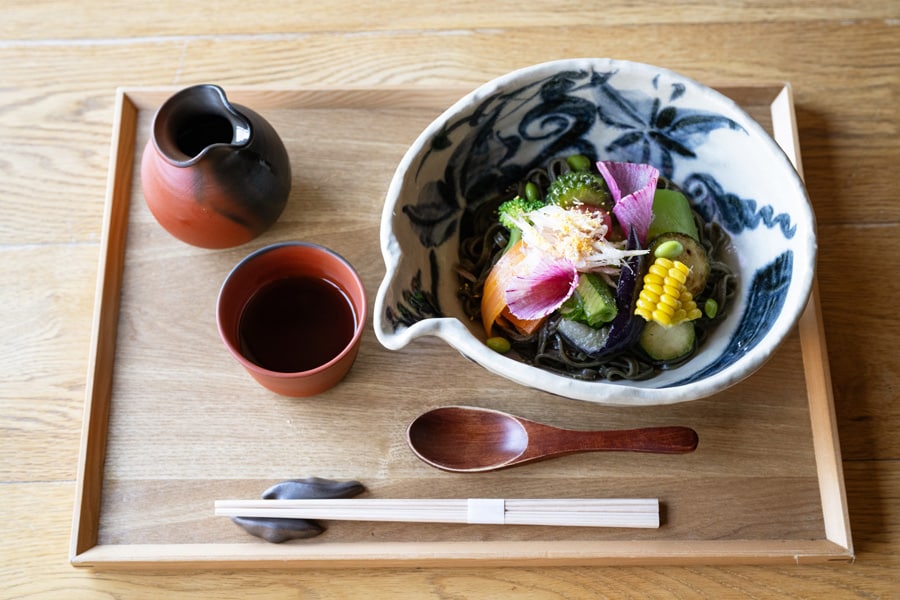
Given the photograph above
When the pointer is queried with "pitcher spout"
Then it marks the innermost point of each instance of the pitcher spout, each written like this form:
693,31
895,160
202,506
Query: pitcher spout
197,119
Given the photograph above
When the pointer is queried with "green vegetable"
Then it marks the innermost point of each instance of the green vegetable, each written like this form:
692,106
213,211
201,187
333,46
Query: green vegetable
671,213
579,162
711,308
588,339
692,254
592,303
533,193
498,344
668,249
665,344
513,209
579,187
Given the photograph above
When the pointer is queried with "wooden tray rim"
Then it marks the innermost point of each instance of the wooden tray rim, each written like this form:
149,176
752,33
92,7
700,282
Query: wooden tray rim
85,551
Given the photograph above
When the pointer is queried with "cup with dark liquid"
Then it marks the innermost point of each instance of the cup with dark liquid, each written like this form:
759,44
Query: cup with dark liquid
292,314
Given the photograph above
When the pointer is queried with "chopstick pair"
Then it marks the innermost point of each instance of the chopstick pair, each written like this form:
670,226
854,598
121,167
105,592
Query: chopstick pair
576,512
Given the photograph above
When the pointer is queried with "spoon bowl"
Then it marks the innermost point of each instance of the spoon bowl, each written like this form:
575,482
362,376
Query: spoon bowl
467,439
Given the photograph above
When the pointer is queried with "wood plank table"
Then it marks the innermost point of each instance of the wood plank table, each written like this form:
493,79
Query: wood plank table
60,70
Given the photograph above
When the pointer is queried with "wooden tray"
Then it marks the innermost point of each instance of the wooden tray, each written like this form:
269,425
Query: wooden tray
172,423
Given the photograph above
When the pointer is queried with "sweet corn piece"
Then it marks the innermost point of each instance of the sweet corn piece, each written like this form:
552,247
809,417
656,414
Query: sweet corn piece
672,290
676,275
663,297
668,299
662,318
654,287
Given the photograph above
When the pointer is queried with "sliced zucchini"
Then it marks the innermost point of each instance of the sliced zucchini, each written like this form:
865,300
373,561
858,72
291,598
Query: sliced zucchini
584,337
667,343
692,254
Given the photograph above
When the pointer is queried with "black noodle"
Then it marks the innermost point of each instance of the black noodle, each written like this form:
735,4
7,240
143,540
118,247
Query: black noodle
483,238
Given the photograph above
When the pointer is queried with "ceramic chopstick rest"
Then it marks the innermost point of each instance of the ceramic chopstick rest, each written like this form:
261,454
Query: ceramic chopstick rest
277,530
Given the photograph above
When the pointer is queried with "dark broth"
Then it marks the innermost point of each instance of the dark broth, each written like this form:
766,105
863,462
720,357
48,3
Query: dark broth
296,324
204,131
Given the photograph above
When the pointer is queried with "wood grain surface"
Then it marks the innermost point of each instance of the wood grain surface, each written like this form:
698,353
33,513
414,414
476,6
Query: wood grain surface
59,71
171,426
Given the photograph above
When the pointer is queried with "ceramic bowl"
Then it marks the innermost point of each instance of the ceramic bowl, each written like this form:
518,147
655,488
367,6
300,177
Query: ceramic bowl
732,171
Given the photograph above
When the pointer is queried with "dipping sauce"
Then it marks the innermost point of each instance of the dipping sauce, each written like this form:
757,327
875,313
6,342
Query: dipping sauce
296,324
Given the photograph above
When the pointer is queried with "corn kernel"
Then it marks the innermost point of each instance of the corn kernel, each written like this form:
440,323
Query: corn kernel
663,297
665,308
658,269
654,288
669,300
676,275
672,290
662,318
645,304
664,262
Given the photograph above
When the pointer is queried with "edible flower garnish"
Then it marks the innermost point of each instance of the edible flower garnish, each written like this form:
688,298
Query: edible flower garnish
574,235
632,187
542,287
552,243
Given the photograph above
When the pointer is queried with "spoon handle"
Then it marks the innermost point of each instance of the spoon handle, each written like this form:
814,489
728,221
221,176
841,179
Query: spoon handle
658,440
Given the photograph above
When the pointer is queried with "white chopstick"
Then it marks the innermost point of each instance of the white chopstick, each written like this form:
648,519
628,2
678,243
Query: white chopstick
600,512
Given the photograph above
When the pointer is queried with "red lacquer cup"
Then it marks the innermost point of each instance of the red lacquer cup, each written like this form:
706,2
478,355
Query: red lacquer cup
292,314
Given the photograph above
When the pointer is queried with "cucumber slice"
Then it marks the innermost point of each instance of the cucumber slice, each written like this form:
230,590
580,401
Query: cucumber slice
597,297
592,303
588,339
671,213
667,343
692,254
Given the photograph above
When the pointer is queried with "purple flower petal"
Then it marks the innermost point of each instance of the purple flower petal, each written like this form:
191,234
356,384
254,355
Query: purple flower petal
632,187
635,211
541,289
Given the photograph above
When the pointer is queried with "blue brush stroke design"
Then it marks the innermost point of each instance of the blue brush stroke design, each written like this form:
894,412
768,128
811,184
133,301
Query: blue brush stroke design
434,216
732,212
417,303
651,132
765,299
557,114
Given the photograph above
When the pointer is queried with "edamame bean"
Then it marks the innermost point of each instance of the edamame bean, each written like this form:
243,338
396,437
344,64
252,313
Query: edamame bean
579,162
711,308
669,249
498,344
532,192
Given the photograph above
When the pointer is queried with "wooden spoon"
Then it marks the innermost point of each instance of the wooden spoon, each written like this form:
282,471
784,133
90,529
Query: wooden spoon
466,439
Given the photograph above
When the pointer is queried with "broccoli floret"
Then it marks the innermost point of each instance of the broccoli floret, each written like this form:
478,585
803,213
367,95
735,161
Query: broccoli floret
512,210
579,187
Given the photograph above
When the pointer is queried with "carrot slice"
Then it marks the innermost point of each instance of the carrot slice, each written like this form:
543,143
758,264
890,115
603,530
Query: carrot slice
493,298
524,326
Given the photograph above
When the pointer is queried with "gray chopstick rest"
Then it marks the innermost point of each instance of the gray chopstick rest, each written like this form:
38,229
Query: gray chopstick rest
278,530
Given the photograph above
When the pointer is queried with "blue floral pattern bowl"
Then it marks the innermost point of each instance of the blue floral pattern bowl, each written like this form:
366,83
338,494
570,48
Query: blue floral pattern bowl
731,169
